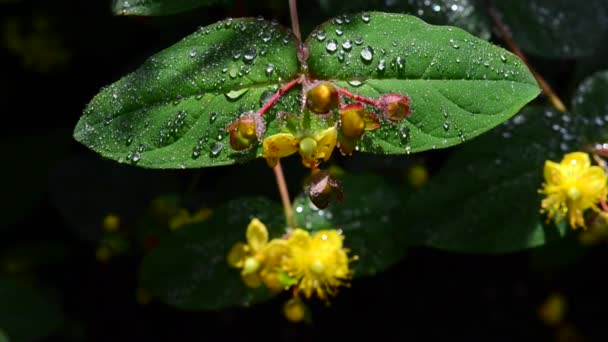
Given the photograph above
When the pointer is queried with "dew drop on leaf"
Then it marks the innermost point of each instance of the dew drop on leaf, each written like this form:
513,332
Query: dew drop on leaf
367,54
321,35
235,94
347,44
216,149
365,17
331,46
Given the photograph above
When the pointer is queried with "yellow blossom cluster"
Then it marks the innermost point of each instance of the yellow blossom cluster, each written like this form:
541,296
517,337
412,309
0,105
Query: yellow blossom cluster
572,187
314,264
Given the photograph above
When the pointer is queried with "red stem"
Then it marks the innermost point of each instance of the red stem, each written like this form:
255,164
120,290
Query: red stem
604,205
360,98
278,95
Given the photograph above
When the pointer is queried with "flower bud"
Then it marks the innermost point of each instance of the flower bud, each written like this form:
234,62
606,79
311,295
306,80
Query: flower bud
395,107
322,188
322,98
246,131
352,124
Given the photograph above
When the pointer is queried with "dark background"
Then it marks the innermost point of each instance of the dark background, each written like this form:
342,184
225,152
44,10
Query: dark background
72,49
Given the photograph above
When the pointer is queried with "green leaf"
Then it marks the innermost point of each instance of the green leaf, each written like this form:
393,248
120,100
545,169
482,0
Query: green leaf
25,315
158,7
591,103
367,219
188,270
556,28
460,86
172,112
3,337
467,14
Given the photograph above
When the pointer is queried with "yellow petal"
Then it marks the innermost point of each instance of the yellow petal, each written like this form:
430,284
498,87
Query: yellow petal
594,180
275,251
238,253
252,280
257,235
328,239
278,146
553,172
299,239
578,159
326,142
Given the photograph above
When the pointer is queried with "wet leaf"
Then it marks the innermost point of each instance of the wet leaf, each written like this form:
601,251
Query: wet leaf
25,315
158,7
189,270
485,199
556,28
172,112
366,218
460,86
467,14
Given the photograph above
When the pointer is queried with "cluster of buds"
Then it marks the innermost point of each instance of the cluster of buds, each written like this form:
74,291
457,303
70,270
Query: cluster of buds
343,124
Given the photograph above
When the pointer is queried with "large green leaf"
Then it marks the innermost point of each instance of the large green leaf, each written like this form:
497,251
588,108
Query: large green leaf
189,269
367,219
172,112
557,28
466,14
25,315
460,85
485,200
158,7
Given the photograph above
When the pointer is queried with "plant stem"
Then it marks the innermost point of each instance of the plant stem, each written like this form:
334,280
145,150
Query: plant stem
504,32
356,97
295,23
278,95
280,178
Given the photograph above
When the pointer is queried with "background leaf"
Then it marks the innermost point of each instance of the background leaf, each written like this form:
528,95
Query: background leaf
485,200
444,70
189,269
172,112
367,219
159,7
25,315
556,28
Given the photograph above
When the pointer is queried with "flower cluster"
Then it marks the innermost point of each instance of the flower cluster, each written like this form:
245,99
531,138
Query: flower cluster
313,265
326,122
572,187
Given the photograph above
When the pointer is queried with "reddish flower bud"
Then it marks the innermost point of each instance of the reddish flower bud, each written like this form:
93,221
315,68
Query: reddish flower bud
246,131
322,188
395,107
354,121
322,98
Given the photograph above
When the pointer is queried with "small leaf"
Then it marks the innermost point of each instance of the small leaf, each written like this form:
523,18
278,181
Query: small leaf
189,270
556,28
158,7
366,218
25,315
460,86
173,111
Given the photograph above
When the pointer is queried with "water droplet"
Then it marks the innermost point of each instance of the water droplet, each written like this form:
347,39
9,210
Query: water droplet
269,70
249,55
358,40
347,44
266,95
339,31
446,126
196,152
503,58
236,55
331,46
367,54
235,94
381,65
192,54
486,64
266,37
408,150
321,35
365,17
355,83
436,8
404,134
216,149
400,63
212,117
136,156
341,56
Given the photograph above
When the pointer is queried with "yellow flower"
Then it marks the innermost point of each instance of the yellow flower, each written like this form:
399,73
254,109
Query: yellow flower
318,263
571,187
183,218
111,223
311,148
259,259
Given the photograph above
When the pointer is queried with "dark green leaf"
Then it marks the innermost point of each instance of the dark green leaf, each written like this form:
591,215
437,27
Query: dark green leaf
85,190
189,269
367,220
557,28
460,86
172,112
591,102
3,337
466,14
158,7
25,315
